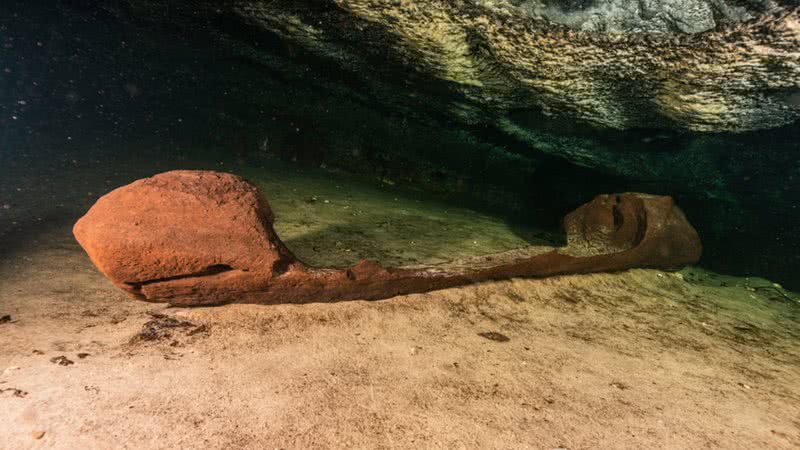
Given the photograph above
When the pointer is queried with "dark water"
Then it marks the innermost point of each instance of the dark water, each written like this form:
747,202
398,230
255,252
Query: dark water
102,86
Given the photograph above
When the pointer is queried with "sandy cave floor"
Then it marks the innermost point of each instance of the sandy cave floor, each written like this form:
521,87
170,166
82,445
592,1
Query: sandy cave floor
639,359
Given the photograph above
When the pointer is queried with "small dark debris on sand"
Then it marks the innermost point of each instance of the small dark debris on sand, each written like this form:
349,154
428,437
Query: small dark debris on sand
117,319
494,336
61,360
202,329
82,355
620,385
15,392
5,319
161,327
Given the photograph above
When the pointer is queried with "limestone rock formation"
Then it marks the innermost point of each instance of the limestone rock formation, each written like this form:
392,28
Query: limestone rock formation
200,238
499,57
684,16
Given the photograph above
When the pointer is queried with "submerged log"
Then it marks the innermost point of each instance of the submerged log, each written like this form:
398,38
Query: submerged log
206,238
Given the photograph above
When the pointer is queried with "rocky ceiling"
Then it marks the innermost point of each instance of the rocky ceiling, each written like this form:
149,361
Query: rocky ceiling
501,56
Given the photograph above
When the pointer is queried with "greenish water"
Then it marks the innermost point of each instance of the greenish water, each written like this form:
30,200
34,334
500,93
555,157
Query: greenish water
334,220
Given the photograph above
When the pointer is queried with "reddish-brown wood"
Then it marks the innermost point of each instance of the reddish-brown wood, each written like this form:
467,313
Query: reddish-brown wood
206,238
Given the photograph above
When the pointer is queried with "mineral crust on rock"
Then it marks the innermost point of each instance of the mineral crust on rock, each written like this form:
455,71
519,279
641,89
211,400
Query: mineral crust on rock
203,238
615,64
